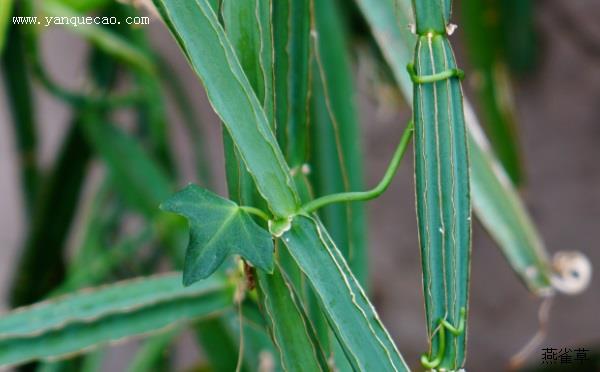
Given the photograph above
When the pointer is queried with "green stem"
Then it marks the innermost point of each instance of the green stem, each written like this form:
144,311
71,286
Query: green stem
78,99
255,211
344,197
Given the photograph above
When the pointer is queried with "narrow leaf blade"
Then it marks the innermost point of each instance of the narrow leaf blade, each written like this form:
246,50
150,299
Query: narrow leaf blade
140,179
290,327
337,164
491,82
200,35
17,83
291,30
248,28
87,319
352,317
502,213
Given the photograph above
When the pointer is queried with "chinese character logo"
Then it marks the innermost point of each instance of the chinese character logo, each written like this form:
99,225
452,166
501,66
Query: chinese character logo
552,355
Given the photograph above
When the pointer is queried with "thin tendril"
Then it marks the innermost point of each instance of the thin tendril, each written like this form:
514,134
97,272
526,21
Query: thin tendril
370,194
424,79
443,326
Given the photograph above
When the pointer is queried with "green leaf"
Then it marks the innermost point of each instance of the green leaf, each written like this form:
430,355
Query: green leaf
54,212
352,317
291,71
218,228
204,42
84,6
19,95
389,21
520,43
102,38
57,199
244,22
291,329
154,123
505,217
104,262
152,118
90,318
153,353
291,42
337,161
172,81
491,81
248,28
5,19
198,31
218,343
135,174
258,344
88,362
221,337
336,155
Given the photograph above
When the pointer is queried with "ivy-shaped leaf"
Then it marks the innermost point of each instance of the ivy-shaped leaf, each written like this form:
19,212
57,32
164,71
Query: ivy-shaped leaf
218,228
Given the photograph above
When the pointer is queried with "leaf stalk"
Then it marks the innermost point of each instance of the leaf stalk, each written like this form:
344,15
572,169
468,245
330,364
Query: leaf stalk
255,211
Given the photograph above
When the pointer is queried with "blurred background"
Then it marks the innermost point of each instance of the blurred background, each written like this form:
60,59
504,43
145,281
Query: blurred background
556,96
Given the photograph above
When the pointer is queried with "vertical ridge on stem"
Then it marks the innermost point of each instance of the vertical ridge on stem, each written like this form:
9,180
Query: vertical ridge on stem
442,185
